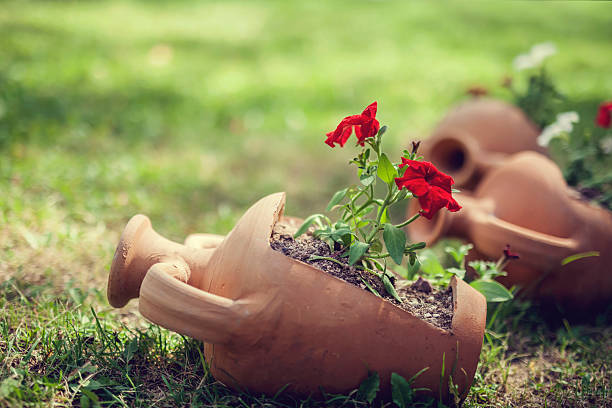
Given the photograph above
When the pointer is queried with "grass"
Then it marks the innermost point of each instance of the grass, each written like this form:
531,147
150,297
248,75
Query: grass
189,112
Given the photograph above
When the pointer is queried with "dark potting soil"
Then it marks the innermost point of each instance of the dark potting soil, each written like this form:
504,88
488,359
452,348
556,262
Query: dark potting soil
419,298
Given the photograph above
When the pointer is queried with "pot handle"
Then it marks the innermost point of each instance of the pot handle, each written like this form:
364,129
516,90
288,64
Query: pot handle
539,247
166,300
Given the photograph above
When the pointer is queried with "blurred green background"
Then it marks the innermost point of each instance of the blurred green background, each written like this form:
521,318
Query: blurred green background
191,111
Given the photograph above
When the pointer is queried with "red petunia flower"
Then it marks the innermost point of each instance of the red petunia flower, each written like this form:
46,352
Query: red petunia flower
604,116
429,185
365,126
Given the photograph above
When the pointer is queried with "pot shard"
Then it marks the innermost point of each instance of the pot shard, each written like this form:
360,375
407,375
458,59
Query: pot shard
526,203
268,320
477,136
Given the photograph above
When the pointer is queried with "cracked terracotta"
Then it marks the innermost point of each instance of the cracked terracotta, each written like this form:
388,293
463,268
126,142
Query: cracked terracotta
477,136
268,320
526,203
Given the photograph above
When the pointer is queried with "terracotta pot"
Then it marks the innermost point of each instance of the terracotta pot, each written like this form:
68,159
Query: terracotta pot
527,204
268,320
477,136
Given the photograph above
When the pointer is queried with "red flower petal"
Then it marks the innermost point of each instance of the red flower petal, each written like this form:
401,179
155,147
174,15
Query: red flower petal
370,110
413,163
429,185
604,115
441,180
365,125
369,129
435,200
417,185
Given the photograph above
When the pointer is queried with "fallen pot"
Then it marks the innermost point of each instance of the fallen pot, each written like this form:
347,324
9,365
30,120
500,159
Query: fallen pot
268,321
526,203
477,136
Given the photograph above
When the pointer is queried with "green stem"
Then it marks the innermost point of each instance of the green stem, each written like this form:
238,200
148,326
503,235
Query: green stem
363,207
352,208
372,271
354,218
379,256
408,221
381,211
328,258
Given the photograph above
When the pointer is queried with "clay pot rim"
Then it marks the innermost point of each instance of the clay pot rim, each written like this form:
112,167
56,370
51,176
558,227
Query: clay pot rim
116,289
464,142
458,310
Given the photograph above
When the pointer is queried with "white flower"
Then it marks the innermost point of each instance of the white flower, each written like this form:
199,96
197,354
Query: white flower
540,52
567,119
564,124
523,61
606,145
548,133
534,58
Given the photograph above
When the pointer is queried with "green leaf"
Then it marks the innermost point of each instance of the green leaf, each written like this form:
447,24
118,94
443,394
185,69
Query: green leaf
390,288
369,387
342,234
492,290
401,391
338,196
375,263
386,171
358,249
322,233
413,258
395,241
307,222
430,264
418,245
384,218
576,257
370,288
382,130
411,270
486,270
376,246
366,179
367,210
458,272
459,254
363,223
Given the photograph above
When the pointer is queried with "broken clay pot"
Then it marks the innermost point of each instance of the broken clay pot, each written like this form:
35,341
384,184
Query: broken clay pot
268,320
527,204
477,136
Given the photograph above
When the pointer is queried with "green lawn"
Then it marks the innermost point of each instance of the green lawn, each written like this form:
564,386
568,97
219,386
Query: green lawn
191,111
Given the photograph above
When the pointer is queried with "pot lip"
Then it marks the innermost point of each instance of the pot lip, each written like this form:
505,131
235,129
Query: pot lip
468,146
458,310
115,290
